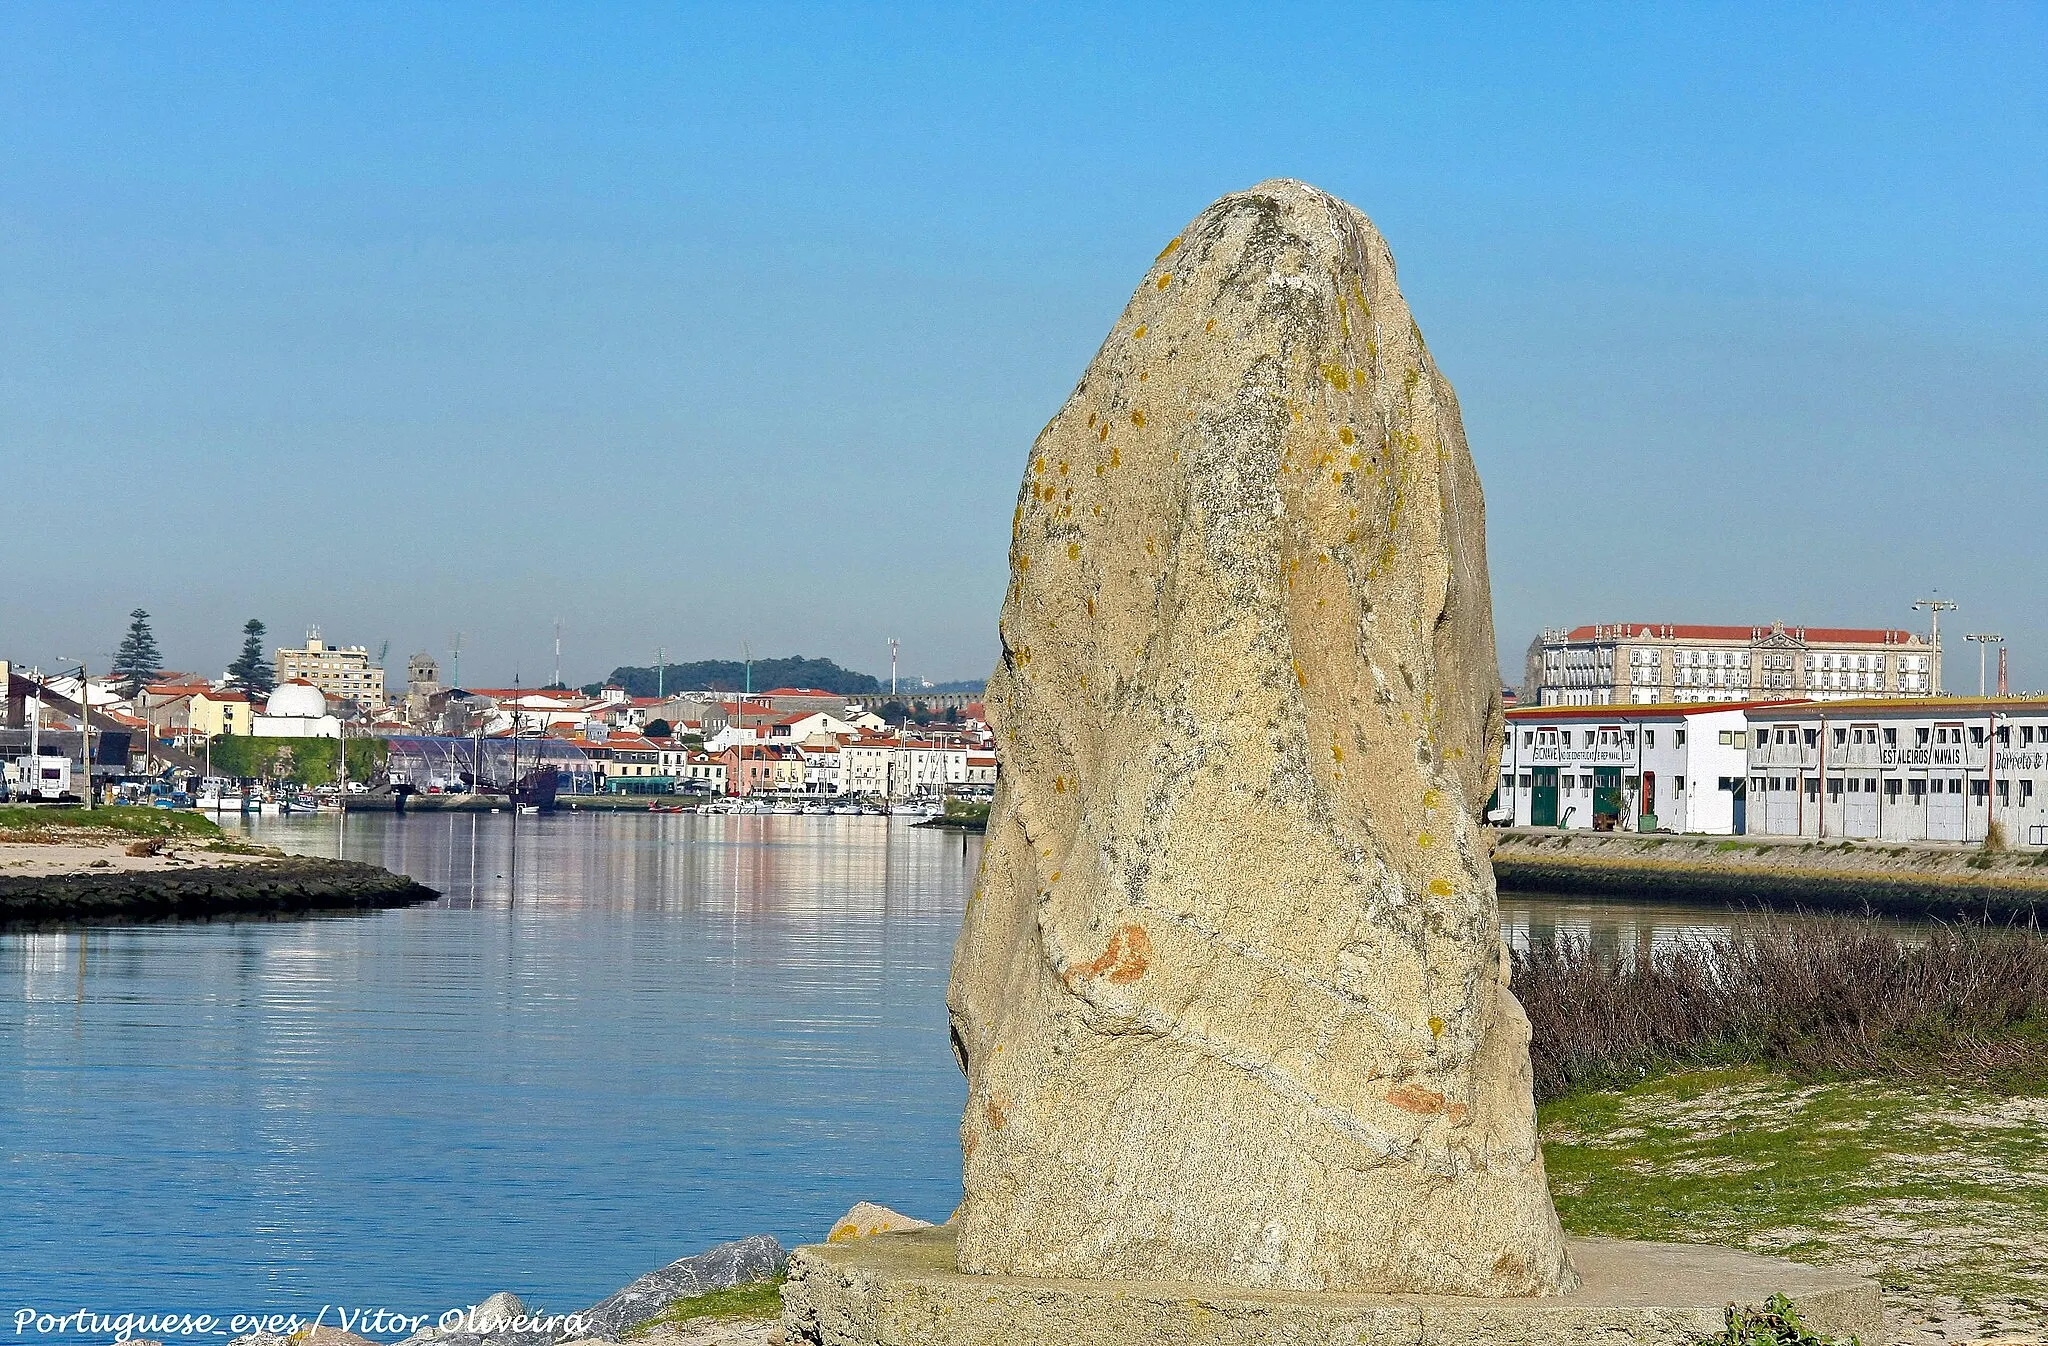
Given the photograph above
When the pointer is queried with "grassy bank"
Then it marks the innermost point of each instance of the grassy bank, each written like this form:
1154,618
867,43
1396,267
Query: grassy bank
52,824
1828,1091
1941,1190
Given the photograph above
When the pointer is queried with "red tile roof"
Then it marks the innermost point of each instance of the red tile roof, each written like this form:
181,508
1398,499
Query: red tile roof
1667,631
1668,711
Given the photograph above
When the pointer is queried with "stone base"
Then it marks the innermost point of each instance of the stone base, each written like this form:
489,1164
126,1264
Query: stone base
904,1290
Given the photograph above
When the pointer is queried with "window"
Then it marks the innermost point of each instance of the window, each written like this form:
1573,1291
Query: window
1980,790
1835,788
1916,790
1813,788
1891,738
2004,793
2026,790
1678,737
2005,736
1727,739
1920,737
1891,792
2026,735
1649,738
1841,736
1678,785
1977,735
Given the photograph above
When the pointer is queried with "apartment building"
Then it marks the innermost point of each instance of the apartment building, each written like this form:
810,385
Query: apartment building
343,672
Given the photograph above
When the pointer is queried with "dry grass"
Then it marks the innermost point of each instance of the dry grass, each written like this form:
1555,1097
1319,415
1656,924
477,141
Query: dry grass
1819,997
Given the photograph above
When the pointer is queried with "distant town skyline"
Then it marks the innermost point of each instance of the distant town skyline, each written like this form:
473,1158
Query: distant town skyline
700,329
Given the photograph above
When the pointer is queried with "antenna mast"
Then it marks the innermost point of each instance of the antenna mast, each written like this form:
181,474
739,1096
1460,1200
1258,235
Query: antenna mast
894,644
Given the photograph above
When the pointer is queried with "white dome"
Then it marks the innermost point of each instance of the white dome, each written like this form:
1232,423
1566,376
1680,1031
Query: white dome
299,699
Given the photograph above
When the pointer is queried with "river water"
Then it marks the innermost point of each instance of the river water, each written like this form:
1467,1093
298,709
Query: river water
629,1038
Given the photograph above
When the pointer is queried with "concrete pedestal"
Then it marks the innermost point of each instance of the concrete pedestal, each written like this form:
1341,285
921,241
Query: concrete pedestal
904,1290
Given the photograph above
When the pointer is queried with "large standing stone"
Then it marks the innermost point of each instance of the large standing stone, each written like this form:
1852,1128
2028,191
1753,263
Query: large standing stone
1231,996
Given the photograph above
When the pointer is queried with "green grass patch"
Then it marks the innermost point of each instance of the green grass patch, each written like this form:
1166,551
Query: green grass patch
756,1299
1942,1187
29,824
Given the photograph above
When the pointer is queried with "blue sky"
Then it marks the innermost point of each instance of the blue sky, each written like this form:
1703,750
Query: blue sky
702,326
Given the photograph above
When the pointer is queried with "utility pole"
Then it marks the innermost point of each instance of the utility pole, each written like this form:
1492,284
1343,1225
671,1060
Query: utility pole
894,644
1935,607
1984,640
85,729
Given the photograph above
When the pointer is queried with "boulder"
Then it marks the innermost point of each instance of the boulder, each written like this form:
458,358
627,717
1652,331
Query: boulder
867,1219
494,1322
324,1335
749,1259
1230,993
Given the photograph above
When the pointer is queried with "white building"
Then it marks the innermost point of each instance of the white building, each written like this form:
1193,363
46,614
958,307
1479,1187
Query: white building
1629,768
864,766
1937,769
1653,663
924,767
295,710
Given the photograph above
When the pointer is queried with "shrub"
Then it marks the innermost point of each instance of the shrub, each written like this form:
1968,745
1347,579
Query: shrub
1822,995
1777,1323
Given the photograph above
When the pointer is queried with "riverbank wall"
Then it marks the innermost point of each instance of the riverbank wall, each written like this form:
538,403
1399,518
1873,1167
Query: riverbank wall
1961,882
291,885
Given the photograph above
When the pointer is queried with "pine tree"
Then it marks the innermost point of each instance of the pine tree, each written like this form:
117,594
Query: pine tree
251,670
137,661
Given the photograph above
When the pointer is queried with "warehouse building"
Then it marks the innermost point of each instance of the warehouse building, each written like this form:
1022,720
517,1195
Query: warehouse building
1934,769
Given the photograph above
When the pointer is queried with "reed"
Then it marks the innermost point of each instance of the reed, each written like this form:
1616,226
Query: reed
1821,996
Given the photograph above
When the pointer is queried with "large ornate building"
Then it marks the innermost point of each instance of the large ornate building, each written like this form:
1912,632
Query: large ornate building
1654,663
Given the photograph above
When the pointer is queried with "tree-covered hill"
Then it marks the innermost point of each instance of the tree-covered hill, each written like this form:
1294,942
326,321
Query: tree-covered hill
730,675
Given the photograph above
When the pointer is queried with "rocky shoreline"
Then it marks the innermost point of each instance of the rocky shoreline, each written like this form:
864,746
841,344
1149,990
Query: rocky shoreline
1833,875
259,885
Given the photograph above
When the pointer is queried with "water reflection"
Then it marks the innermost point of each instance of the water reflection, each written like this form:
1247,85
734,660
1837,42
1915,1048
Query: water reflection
674,1030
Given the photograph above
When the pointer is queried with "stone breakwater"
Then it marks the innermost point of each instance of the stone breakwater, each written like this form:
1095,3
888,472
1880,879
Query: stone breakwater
1830,875
259,887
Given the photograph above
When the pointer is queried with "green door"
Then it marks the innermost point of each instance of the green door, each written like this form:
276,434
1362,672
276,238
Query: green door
1543,798
1606,795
